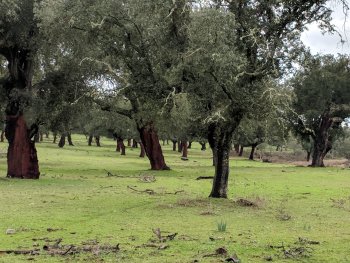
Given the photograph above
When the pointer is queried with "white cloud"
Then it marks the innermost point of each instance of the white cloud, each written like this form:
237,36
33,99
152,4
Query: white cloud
327,43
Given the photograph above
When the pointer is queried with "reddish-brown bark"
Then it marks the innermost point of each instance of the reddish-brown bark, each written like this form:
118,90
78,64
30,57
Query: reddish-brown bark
22,160
184,150
150,140
121,146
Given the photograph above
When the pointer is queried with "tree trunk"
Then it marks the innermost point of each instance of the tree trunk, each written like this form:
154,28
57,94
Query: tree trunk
91,137
117,149
184,151
2,136
241,151
97,139
251,156
134,144
41,136
121,146
204,146
236,147
149,138
22,160
174,145
62,141
220,141
142,153
69,138
47,135
54,138
129,142
189,145
179,146
308,156
37,137
322,142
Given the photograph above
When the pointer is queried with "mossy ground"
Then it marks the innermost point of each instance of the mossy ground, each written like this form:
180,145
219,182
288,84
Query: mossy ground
76,197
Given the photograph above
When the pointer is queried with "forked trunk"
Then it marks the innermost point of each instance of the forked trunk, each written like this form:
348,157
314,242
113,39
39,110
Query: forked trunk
142,153
149,138
90,140
62,141
22,160
98,142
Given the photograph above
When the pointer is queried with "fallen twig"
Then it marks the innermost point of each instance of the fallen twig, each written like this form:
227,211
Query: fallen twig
204,177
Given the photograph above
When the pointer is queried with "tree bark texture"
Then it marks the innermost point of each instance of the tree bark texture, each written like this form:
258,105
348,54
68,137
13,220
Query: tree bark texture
322,142
150,141
220,142
22,160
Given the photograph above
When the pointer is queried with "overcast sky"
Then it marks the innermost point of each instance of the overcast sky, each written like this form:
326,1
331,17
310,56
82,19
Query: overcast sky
329,44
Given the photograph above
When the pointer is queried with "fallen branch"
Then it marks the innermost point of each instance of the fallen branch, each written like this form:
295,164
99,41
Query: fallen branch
152,192
21,252
109,174
204,177
148,191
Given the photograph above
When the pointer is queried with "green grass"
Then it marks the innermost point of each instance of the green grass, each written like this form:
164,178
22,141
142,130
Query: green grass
75,195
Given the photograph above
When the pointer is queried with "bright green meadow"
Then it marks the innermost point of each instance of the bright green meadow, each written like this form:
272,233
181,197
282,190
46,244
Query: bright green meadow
297,214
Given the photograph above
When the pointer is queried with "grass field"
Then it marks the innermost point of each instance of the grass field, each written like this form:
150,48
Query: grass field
299,214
